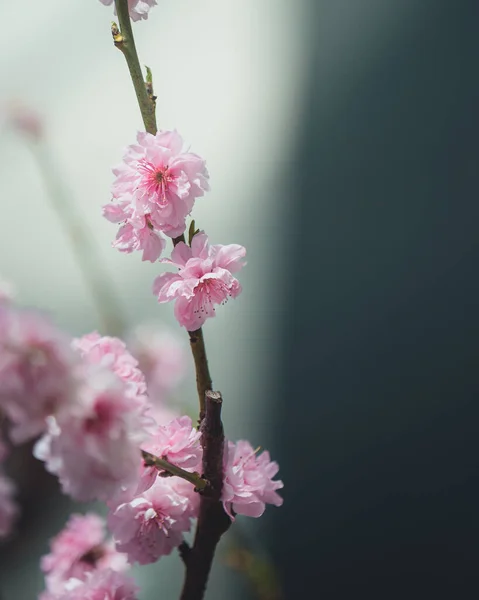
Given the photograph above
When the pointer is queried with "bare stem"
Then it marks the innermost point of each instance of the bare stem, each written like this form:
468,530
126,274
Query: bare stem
124,41
203,377
161,464
95,273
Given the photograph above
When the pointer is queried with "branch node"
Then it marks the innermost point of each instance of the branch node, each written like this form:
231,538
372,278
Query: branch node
116,35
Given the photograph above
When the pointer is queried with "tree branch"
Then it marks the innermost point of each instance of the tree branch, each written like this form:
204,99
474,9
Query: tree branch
124,41
203,377
161,464
213,522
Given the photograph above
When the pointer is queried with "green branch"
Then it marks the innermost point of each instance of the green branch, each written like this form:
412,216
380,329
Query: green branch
124,41
161,464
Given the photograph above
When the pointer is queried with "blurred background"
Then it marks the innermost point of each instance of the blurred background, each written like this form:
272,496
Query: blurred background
341,139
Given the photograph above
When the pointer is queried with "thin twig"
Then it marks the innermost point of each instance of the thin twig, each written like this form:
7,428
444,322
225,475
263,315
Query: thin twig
203,377
124,41
161,464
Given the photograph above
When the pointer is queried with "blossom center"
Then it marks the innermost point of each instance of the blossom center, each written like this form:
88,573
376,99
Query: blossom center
154,181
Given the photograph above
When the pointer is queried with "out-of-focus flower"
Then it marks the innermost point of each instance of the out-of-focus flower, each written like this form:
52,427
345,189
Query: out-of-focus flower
156,187
138,9
162,359
94,447
204,279
37,369
78,550
22,118
111,354
152,524
248,483
103,584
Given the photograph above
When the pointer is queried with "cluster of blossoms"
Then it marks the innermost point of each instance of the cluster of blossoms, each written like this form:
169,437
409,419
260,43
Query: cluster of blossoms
153,193
138,9
88,401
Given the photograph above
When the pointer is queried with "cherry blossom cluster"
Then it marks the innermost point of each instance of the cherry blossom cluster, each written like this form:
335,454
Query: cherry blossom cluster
153,193
88,400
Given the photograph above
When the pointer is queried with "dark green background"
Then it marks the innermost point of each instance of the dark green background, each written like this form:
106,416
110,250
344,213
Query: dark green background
377,417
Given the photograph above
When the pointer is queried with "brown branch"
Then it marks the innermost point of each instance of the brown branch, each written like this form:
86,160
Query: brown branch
213,522
184,551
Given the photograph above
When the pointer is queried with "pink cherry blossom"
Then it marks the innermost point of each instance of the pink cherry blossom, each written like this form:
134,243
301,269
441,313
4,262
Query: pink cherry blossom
152,524
36,371
104,584
23,118
156,187
204,279
248,480
79,549
138,9
94,447
137,232
178,442
111,353
162,359
8,507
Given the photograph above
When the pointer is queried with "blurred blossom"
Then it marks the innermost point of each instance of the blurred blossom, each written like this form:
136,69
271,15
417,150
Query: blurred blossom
36,371
78,550
22,118
162,359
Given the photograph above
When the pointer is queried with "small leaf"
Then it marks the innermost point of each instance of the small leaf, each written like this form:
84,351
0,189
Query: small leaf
149,75
191,232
